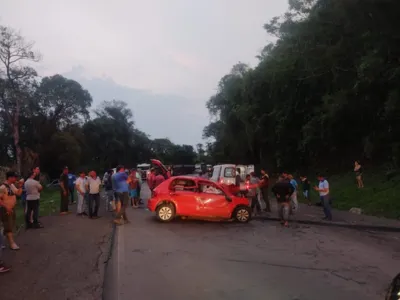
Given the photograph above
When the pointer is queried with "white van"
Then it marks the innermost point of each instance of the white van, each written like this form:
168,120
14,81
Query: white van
226,174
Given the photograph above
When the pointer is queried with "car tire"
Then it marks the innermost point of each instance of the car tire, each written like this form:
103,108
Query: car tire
165,212
242,214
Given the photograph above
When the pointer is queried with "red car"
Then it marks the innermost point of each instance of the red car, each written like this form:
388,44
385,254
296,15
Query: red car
197,197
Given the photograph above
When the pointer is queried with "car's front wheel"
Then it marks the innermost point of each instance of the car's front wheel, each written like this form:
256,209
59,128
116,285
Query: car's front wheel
165,212
242,214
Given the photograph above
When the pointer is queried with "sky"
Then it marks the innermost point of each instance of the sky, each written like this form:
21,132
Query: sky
163,57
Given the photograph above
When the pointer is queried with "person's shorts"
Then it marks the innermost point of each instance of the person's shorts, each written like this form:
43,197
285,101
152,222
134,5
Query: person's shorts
133,193
8,220
122,197
305,193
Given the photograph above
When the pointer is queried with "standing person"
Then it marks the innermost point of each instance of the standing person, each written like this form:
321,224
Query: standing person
93,187
293,197
283,191
359,172
3,268
306,188
110,205
139,186
252,193
264,186
80,185
133,184
159,178
323,189
151,179
64,192
33,189
9,191
169,172
121,185
71,186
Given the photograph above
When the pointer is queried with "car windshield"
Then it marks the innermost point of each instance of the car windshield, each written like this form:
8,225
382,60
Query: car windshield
229,172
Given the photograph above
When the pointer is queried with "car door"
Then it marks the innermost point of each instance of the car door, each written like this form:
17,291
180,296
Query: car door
184,193
213,202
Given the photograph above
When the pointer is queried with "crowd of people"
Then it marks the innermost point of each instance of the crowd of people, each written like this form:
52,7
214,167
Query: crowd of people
285,190
123,187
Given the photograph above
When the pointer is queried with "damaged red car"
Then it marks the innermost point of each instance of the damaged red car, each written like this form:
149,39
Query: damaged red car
196,197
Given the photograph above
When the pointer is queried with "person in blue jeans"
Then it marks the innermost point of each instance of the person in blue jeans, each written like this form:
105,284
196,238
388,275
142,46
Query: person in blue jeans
323,189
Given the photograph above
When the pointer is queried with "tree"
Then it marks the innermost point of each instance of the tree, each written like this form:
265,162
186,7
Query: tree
325,93
15,80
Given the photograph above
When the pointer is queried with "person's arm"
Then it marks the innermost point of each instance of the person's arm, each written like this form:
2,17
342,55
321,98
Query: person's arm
39,186
15,190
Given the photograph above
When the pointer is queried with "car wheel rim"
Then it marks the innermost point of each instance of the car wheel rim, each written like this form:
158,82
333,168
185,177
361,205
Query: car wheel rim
165,213
242,215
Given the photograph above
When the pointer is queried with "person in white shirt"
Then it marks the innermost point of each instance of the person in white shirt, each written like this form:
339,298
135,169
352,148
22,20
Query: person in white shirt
80,185
33,189
323,189
93,186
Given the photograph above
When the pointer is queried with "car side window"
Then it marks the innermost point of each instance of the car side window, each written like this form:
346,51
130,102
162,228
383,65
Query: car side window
208,188
182,184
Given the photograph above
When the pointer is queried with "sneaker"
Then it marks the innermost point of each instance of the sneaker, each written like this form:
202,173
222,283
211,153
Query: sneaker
4,268
14,246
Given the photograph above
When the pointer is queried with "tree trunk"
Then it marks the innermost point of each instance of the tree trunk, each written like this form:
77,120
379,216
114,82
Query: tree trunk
15,128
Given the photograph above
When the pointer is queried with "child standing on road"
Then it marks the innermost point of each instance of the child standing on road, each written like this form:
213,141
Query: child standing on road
133,185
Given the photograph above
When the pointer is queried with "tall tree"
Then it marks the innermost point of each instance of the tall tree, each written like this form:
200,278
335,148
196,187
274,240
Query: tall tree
15,80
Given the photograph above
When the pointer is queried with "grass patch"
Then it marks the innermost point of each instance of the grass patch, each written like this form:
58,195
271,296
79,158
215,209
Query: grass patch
379,197
49,204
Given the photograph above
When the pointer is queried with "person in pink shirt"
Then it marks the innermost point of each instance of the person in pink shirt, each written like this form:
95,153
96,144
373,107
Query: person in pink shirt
159,178
151,179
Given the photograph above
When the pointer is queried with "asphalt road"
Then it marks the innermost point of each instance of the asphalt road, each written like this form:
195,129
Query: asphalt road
259,260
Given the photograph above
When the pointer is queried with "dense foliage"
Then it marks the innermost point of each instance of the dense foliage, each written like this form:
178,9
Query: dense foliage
324,94
47,121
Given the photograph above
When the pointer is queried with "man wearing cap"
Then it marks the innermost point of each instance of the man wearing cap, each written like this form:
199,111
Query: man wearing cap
64,191
9,191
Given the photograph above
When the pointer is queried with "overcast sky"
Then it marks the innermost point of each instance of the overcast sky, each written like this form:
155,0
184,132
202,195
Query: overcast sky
163,57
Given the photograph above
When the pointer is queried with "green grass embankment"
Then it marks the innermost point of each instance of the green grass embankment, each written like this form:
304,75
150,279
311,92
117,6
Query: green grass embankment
379,197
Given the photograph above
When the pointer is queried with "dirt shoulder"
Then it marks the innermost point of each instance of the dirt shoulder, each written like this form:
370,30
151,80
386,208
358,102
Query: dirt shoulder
64,260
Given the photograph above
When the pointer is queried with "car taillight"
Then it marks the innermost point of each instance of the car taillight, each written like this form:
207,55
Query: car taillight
221,180
153,194
247,185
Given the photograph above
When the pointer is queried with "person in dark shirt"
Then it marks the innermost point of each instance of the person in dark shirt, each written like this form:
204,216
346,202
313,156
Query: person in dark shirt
64,191
238,179
282,191
306,188
264,186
